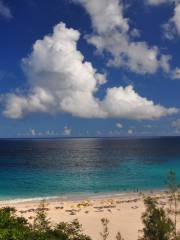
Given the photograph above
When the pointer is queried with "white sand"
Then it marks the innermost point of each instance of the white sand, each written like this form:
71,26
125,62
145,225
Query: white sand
124,213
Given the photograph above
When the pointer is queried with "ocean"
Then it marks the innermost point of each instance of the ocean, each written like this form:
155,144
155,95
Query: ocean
63,167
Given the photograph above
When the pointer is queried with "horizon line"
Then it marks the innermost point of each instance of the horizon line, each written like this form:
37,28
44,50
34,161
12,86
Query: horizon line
87,137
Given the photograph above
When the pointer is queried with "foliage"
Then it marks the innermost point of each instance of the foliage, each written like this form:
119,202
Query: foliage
157,226
71,231
171,181
18,228
11,226
41,223
173,187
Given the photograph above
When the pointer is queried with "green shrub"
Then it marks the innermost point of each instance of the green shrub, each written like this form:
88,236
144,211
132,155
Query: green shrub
157,225
18,228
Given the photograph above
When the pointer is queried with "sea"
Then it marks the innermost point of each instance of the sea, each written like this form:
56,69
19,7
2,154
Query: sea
47,168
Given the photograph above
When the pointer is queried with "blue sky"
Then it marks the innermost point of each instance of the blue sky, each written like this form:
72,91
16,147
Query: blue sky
89,68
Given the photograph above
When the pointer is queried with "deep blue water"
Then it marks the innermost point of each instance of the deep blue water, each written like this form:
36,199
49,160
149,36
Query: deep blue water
39,168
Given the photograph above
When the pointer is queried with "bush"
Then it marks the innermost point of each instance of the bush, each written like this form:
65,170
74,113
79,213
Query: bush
11,226
18,228
157,226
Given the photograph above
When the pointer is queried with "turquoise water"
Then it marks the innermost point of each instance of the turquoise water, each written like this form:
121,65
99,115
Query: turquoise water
45,168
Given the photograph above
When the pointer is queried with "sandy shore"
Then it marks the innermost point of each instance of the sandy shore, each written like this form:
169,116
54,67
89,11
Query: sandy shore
123,211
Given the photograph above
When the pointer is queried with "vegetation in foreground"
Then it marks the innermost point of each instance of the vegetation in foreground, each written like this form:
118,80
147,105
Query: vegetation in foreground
13,227
159,223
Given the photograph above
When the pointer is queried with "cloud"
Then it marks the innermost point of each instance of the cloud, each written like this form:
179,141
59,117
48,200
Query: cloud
130,131
176,18
176,73
50,133
119,125
33,132
39,100
158,2
59,77
106,15
67,131
36,133
5,11
112,34
61,81
176,123
172,27
126,103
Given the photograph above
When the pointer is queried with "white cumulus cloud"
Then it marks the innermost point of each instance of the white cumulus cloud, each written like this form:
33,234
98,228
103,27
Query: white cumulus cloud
60,80
126,103
106,15
112,35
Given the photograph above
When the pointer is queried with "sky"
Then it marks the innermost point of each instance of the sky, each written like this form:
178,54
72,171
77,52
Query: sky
88,68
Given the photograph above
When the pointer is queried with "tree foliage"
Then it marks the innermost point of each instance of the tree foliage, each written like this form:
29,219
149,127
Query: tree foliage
41,222
173,187
157,225
13,227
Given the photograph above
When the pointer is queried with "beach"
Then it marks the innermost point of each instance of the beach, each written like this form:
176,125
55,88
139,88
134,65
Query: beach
122,210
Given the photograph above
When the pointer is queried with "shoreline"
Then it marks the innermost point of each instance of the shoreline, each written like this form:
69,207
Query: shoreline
80,196
122,209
